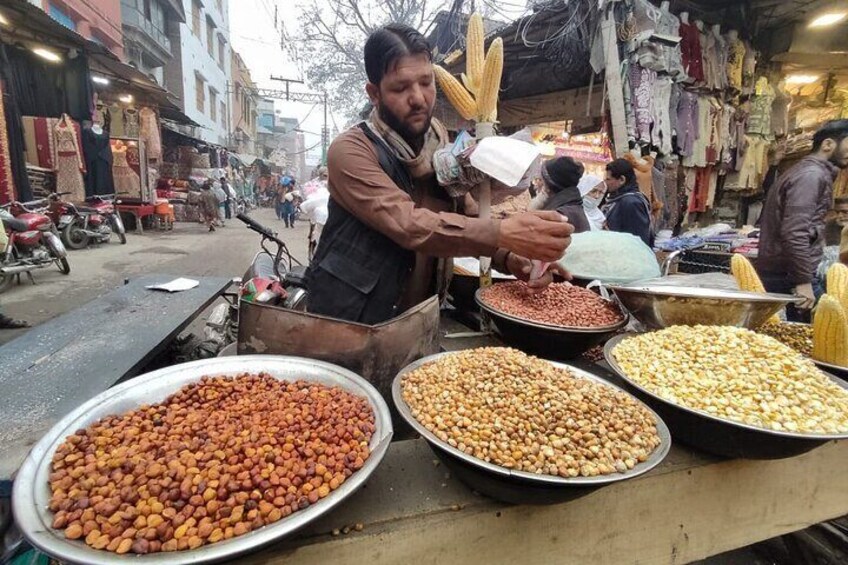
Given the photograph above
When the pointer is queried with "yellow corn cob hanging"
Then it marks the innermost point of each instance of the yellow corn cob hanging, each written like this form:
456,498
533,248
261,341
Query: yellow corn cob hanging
837,283
830,332
456,93
490,84
474,53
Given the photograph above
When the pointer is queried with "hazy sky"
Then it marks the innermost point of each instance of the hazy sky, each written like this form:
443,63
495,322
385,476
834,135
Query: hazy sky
254,35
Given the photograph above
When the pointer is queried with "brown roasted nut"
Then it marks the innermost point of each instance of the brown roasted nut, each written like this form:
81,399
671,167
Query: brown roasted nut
218,458
561,304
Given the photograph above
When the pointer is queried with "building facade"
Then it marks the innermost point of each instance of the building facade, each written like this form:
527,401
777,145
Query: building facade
146,23
244,106
98,21
199,72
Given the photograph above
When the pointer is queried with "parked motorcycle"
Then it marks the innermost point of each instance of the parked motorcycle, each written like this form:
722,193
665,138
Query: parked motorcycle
273,278
32,243
94,222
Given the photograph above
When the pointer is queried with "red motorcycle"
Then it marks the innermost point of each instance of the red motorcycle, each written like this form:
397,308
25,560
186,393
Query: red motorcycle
93,222
32,244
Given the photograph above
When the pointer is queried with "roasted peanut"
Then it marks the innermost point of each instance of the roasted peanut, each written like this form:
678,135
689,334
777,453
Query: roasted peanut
560,304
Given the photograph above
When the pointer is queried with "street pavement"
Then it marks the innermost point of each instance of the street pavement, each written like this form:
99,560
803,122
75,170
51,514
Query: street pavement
189,250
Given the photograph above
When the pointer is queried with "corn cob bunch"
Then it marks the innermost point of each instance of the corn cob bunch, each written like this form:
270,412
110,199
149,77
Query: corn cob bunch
748,279
476,97
830,324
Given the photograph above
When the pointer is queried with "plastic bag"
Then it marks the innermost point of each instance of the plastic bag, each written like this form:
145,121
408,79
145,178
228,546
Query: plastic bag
611,257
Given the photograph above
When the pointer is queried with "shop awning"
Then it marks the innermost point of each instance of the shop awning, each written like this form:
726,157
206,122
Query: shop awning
32,27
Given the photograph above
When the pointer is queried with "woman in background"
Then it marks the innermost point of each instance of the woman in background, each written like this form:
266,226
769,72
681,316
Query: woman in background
593,189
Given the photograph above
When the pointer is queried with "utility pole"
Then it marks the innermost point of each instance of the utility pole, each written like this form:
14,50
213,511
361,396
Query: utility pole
288,82
302,97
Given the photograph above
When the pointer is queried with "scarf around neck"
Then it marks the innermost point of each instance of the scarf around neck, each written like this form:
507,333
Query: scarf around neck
421,164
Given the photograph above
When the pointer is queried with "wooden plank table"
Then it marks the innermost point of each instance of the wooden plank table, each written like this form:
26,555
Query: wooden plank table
690,507
58,365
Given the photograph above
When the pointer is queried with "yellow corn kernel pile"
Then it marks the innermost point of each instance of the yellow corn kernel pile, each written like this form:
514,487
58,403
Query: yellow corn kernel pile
735,374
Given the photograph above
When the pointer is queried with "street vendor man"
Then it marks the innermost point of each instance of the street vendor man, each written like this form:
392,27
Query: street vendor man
390,226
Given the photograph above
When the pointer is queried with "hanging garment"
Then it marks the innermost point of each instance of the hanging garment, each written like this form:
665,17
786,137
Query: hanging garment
749,68
642,82
714,143
707,57
7,178
131,125
662,197
116,121
690,50
687,122
669,25
735,61
701,190
150,133
720,57
98,163
759,120
126,179
660,108
780,112
753,167
40,141
69,163
702,140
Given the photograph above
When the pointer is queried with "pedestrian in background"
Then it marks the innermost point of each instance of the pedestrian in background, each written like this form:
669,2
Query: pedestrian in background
228,203
209,205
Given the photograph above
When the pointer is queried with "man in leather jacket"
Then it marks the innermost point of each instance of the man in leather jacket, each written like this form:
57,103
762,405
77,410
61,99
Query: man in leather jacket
390,226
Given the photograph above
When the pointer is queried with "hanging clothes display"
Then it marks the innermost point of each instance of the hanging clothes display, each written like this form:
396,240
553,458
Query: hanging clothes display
690,48
125,178
69,163
735,61
12,146
759,120
98,162
150,133
131,125
40,141
7,178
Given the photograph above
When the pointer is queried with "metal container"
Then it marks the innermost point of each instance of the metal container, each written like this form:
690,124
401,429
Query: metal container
660,306
521,487
835,370
31,491
718,436
545,340
462,290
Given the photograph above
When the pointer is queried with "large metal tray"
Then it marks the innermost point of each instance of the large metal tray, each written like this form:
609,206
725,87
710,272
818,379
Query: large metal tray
717,435
547,340
31,491
835,370
521,486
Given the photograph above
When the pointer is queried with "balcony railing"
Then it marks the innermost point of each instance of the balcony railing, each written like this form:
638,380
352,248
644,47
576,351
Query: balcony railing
132,17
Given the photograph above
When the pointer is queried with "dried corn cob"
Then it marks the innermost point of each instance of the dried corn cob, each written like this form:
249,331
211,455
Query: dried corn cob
837,283
456,94
474,53
830,332
490,84
747,278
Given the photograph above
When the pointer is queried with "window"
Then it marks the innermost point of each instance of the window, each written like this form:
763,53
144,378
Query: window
223,114
200,92
195,18
221,50
147,11
213,105
62,17
210,37
220,5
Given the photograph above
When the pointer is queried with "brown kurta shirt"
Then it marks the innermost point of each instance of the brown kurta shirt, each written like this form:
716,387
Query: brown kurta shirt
420,222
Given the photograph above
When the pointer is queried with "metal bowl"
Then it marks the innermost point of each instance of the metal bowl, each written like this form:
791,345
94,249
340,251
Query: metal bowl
719,436
31,491
835,370
661,306
521,487
546,340
462,289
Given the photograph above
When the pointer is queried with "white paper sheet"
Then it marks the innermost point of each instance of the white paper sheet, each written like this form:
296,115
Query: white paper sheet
176,285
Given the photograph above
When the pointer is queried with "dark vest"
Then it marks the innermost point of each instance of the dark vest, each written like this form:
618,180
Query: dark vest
357,273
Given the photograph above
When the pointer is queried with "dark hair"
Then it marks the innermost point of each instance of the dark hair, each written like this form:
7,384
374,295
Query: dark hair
388,44
837,130
622,168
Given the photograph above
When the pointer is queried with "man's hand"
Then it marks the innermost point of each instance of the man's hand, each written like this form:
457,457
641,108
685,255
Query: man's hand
536,235
520,267
805,291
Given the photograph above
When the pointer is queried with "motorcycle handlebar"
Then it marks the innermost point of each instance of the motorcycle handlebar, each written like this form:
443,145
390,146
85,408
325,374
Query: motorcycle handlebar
256,226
